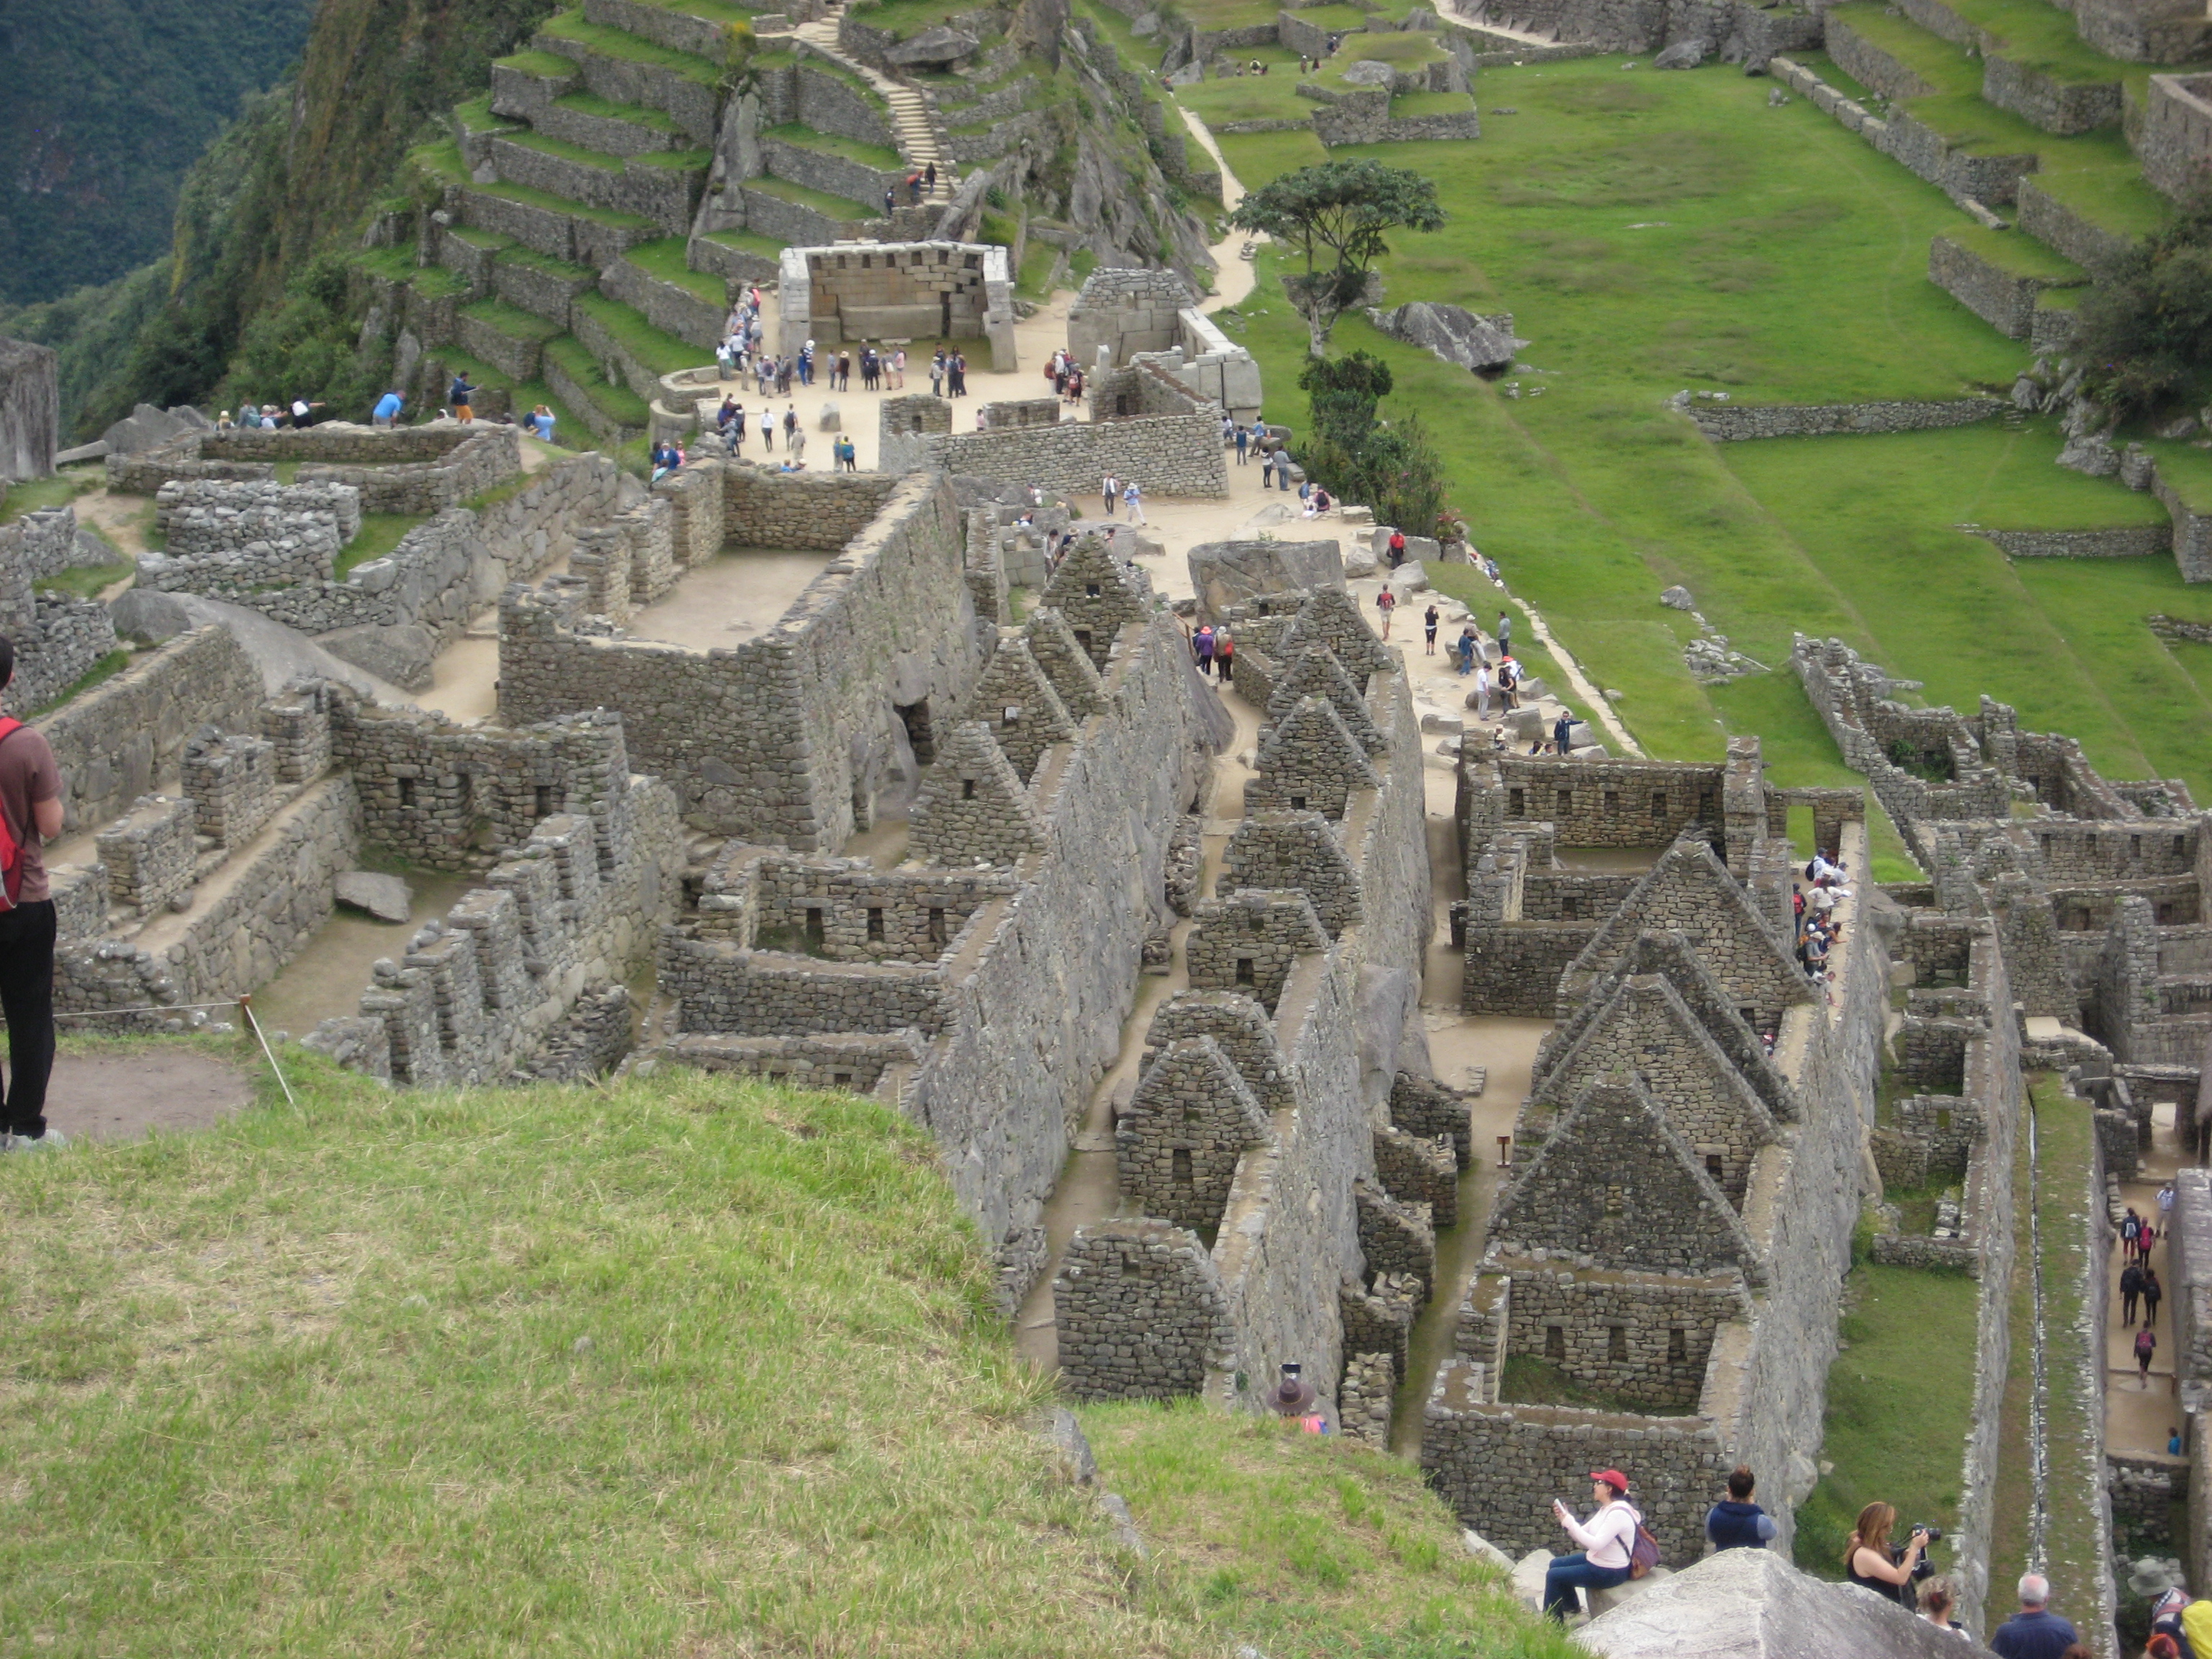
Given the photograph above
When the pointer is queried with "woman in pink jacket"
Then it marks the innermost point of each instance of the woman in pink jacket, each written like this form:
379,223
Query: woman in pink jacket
1605,1539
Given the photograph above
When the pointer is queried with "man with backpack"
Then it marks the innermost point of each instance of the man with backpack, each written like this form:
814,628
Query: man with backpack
1612,1540
30,813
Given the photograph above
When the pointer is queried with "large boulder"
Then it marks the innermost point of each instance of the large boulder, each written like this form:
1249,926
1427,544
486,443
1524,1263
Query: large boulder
1684,54
1224,574
1457,335
402,653
281,653
1368,72
1752,1604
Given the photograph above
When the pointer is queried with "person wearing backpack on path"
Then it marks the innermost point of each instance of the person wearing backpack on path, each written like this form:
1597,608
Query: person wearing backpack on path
30,813
1607,1539
2146,1351
2131,1284
2153,1294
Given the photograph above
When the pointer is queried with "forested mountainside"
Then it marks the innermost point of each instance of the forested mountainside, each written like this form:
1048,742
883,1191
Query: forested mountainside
103,104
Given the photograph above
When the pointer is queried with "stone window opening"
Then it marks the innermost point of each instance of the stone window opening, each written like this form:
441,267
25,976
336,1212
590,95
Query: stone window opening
1749,1017
2135,847
1615,1201
1298,803
1942,1117
1245,976
1616,1342
1555,1342
407,792
1708,804
2181,845
1658,802
1567,803
875,924
1083,639
1571,908
1516,803
967,788
1011,715
914,716
1612,803
936,925
1677,1344
1182,1171
816,932
544,804
1091,590
1715,1168
842,1079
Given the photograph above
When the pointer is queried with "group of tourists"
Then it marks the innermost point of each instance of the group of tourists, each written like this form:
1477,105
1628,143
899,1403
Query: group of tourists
1255,439
1127,492
1214,651
919,183
299,413
2139,1281
1065,375
1819,929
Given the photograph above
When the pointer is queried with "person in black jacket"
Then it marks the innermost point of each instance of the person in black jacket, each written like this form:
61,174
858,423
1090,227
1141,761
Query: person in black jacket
1736,1522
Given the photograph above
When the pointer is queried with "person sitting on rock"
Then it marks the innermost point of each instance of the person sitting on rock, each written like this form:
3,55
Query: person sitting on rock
1735,1522
1605,1539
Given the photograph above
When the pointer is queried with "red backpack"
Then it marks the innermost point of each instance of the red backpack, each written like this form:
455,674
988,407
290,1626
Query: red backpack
11,851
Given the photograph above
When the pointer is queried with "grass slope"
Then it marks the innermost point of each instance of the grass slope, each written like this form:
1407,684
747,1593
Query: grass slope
1653,233
692,1366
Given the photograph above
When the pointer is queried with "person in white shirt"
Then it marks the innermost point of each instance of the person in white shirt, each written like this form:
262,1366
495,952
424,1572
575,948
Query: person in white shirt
1607,1538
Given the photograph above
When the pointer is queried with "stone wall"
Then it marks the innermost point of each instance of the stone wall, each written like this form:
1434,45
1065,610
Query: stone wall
915,290
2004,300
413,470
223,537
1736,424
1165,455
2130,542
780,739
2176,141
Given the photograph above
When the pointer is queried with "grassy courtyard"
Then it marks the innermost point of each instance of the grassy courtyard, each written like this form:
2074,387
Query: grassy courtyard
689,1366
1656,234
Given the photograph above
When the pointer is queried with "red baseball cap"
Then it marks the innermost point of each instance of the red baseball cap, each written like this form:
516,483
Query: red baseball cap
1613,1478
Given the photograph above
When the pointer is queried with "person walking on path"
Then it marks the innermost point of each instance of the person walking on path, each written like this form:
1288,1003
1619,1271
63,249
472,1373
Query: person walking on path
2153,1294
1134,499
1385,602
795,441
1428,620
31,809
1607,1538
2146,1351
1243,441
957,371
1224,654
1266,469
1735,1522
1563,732
1202,648
2131,1284
2035,1632
2131,1232
1504,634
1110,492
768,431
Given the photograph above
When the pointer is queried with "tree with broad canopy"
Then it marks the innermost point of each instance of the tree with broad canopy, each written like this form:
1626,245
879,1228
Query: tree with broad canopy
1340,208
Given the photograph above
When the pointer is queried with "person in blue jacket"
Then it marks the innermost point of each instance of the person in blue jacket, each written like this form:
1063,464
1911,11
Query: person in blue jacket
1736,1522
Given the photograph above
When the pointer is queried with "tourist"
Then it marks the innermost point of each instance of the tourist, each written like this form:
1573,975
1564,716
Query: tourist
1111,490
956,372
2145,1240
794,439
303,413
1322,502
2131,1284
1504,634
2166,1621
1508,681
929,177
462,396
1482,686
223,423
1225,655
387,412
1385,602
1562,732
542,418
2146,1351
2035,1632
1243,442
1202,648
890,203
1267,468
1869,1562
1607,1539
1428,620
790,422
2130,1233
1735,1522
937,374
738,424
2153,1294
31,809
1397,547
1938,1596
768,431
914,189
1132,497
872,369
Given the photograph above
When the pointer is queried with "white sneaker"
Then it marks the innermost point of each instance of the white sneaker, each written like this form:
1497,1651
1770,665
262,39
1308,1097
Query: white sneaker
52,1140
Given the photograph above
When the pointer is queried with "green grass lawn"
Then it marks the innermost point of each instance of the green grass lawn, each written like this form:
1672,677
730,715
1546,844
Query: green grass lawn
1898,1397
569,28
380,532
665,261
19,498
687,1367
1657,234
834,207
108,667
879,156
585,103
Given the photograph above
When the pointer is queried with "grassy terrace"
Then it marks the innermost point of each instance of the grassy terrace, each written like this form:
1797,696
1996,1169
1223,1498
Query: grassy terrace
837,207
685,1367
617,402
544,65
64,486
2021,256
1673,232
664,260
380,532
569,28
586,103
545,263
513,320
610,218
658,352
868,156
1406,105
747,241
475,116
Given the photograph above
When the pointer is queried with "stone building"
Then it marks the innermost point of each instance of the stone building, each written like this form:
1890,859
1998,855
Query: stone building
855,292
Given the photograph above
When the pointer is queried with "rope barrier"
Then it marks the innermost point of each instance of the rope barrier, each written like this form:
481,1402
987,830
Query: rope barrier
243,1004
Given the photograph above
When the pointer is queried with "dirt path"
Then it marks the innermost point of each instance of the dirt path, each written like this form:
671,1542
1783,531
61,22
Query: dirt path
126,1093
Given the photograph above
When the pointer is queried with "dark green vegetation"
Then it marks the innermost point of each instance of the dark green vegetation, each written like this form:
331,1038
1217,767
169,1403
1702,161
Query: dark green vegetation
102,107
1357,456
2147,328
1338,217
692,1366
1652,235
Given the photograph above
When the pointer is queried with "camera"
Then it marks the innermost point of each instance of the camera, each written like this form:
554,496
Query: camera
1925,1565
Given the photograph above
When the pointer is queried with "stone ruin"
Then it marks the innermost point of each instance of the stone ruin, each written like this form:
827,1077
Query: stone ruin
1124,316
30,409
897,291
58,638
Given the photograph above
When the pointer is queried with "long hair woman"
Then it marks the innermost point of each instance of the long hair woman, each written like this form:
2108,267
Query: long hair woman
1868,1557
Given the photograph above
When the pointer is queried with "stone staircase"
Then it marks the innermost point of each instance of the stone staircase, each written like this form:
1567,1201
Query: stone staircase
914,122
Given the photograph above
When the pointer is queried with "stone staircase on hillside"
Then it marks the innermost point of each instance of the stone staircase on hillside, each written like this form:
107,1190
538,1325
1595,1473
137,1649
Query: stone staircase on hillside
920,139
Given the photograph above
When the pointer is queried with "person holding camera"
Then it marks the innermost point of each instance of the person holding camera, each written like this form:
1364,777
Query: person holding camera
1608,1541
1870,1563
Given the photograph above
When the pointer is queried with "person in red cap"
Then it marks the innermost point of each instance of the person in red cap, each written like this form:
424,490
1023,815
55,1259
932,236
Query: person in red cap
1605,1539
